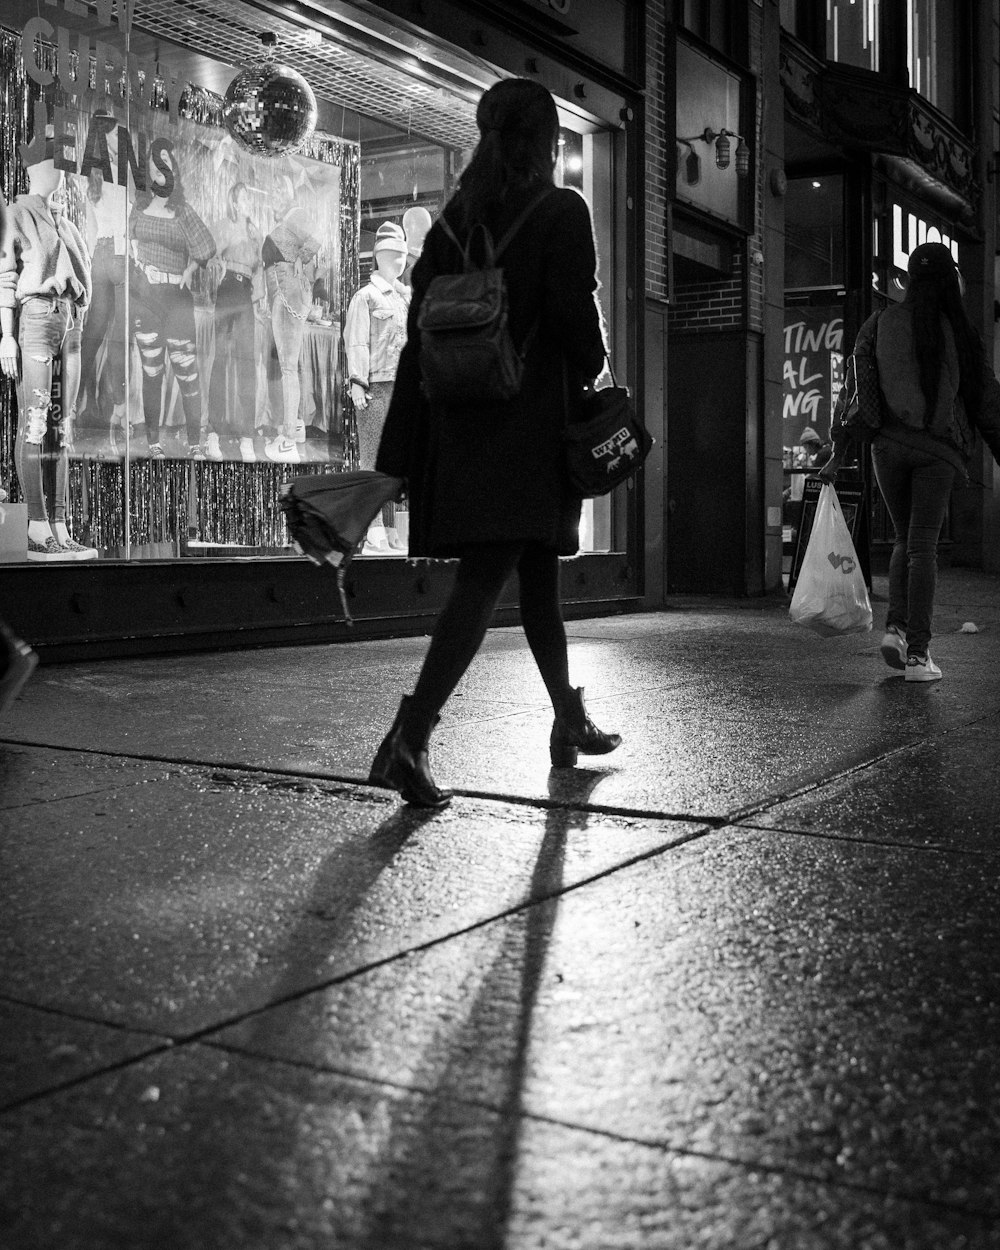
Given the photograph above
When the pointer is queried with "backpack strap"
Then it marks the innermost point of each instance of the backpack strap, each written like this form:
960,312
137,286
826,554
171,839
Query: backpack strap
492,253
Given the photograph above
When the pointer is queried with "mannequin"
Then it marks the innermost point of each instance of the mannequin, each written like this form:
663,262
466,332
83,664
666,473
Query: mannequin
416,223
374,335
107,216
45,288
240,287
290,245
169,242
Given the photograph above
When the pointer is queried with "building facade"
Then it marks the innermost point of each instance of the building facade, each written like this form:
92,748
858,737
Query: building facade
867,128
756,169
236,292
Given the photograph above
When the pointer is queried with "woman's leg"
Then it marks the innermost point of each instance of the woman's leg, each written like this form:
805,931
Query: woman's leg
892,472
541,617
930,488
461,627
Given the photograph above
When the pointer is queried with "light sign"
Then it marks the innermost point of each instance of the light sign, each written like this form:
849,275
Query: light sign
909,231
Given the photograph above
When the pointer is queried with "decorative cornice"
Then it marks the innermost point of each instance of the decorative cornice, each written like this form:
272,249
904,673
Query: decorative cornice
798,71
859,110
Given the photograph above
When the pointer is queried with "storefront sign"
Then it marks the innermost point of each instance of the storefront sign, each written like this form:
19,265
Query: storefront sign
909,231
814,347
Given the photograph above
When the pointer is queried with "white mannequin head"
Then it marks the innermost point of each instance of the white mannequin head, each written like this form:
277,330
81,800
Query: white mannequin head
416,223
389,252
44,179
390,264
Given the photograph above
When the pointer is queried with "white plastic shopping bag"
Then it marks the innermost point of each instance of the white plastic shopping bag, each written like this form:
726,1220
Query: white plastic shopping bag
831,596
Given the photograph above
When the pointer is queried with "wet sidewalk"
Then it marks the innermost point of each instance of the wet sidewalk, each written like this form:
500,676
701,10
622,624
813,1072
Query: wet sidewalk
734,986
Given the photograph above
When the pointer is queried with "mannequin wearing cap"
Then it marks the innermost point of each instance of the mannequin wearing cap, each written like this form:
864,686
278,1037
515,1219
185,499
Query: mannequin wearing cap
45,288
374,336
416,223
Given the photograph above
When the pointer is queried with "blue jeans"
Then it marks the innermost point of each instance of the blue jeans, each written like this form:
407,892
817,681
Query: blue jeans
916,487
48,333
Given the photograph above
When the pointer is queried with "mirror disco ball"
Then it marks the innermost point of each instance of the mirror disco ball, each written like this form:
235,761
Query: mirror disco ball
270,109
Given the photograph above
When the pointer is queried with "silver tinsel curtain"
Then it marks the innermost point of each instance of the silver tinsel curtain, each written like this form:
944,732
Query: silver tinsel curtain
227,504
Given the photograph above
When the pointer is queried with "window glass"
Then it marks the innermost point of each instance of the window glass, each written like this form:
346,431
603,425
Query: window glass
931,51
814,232
852,32
217,331
710,20
711,165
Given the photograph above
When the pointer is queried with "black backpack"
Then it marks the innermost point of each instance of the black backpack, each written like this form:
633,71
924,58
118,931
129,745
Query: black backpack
467,355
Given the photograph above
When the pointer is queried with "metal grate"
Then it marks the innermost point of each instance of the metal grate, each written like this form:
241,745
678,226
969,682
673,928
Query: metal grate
230,31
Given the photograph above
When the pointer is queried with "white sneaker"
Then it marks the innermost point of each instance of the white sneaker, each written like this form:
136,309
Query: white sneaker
298,434
375,539
893,647
282,449
212,449
922,668
247,451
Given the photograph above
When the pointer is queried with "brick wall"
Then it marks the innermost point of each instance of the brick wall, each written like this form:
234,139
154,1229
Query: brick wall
723,304
658,128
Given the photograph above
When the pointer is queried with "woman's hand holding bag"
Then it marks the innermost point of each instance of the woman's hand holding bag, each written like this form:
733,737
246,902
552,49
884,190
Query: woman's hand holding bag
831,596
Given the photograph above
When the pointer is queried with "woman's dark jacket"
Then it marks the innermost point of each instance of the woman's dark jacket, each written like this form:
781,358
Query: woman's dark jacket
494,473
950,431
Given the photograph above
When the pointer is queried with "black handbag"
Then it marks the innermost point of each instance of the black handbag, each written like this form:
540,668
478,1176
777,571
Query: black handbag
608,444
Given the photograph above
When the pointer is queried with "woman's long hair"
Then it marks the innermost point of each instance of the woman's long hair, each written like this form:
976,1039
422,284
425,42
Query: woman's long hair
519,129
930,299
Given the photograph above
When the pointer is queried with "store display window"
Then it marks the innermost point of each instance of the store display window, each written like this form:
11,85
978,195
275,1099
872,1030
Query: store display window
240,266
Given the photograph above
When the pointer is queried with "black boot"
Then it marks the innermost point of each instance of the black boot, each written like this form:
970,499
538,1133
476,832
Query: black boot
401,761
573,731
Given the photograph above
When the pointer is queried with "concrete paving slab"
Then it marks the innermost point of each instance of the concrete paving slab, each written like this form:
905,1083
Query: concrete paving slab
941,793
31,775
180,903
43,1050
720,712
197,1148
804,1005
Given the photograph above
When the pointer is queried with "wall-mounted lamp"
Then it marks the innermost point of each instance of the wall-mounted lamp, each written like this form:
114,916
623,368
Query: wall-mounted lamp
723,148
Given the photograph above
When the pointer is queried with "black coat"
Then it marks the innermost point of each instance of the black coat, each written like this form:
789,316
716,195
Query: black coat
495,473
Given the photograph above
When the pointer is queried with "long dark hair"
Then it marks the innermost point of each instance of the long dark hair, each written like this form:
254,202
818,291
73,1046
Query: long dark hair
932,297
519,129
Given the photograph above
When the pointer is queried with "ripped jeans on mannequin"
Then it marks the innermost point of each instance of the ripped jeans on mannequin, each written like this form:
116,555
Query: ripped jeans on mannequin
48,336
163,323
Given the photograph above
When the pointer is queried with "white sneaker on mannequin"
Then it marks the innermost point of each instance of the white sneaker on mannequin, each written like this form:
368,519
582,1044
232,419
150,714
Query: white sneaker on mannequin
282,450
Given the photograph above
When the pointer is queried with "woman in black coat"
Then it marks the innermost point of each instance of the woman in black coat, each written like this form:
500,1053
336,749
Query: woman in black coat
486,482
